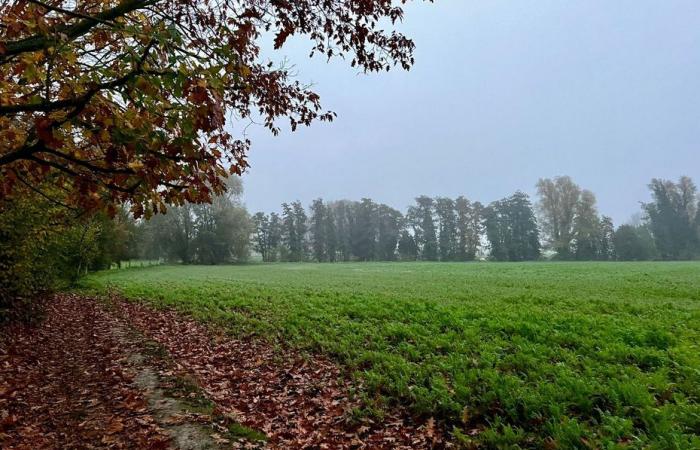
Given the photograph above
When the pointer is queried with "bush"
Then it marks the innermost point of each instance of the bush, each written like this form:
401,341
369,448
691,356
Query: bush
28,233
44,246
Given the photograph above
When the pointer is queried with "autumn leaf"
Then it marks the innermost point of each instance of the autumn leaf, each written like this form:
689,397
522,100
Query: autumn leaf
166,85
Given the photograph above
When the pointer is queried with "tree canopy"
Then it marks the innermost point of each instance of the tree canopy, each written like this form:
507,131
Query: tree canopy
144,101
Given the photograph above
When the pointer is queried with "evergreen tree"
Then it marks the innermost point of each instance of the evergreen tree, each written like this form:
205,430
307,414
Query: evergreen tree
511,229
389,228
363,229
476,227
673,218
525,242
331,237
300,230
290,250
408,250
447,228
606,247
318,231
275,236
421,218
587,228
497,230
463,220
340,212
469,226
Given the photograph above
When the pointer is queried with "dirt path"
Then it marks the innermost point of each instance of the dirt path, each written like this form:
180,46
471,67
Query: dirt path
122,375
66,384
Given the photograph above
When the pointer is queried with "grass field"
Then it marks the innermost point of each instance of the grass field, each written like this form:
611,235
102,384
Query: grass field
538,355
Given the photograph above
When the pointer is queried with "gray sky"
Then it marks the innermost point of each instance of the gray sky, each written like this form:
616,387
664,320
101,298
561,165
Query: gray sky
502,93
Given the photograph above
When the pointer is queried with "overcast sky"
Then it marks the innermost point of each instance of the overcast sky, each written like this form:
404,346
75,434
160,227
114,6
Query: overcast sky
502,93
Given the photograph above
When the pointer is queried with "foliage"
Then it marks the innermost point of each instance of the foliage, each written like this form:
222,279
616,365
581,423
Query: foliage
421,218
206,234
674,218
408,250
390,224
605,356
26,230
570,221
62,384
44,245
319,236
469,228
294,228
447,228
511,229
453,230
634,243
363,230
130,101
559,198
268,235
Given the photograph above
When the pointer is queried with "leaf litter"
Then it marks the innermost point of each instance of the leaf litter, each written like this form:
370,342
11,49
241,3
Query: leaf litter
120,374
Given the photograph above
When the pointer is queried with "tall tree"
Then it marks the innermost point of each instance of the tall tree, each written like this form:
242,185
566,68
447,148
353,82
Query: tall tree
408,250
290,249
294,228
183,234
511,229
318,230
672,215
633,243
223,232
341,212
497,226
266,237
223,228
469,228
330,232
261,236
421,218
128,100
587,228
447,228
390,222
201,233
559,198
606,246
363,229
275,236
301,226
525,243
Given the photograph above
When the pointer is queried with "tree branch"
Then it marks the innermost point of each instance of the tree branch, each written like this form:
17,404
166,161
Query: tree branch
41,193
70,13
40,42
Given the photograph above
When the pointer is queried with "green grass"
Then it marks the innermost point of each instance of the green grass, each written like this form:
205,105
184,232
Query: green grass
532,355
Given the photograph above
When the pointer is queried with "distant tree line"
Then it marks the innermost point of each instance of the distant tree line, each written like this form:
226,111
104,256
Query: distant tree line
433,229
213,233
563,224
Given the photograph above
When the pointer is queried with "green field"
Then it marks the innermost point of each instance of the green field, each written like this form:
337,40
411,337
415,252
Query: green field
532,355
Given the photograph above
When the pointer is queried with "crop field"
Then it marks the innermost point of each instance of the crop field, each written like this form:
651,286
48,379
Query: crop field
504,355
